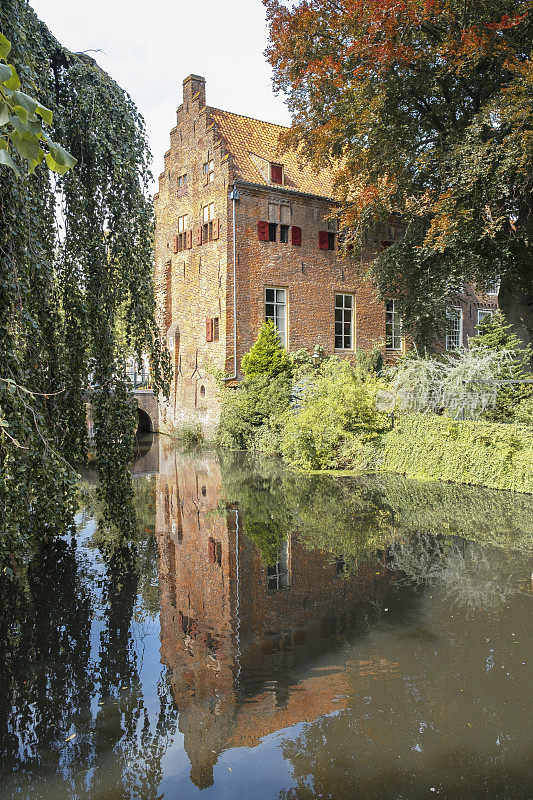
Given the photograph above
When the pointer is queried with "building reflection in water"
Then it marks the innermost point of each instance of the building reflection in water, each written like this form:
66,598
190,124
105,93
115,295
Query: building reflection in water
250,647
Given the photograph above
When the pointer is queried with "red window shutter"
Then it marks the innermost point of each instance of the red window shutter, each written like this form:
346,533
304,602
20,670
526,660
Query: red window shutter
175,244
262,231
211,551
323,240
188,240
209,330
216,228
296,236
276,173
198,235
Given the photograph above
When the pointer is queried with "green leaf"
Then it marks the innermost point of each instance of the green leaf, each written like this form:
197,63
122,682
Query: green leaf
5,46
35,127
4,113
19,126
13,82
5,72
22,113
27,146
45,113
61,158
7,161
22,99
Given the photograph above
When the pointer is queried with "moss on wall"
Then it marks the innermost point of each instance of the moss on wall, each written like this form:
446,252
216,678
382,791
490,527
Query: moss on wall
430,447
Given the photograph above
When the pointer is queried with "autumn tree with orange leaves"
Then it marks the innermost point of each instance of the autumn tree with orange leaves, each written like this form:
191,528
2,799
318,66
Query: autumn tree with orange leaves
425,109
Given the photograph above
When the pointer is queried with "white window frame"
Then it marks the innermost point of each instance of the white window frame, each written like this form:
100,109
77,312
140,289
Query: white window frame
484,312
183,223
393,347
208,213
276,318
278,574
451,317
342,322
209,170
494,287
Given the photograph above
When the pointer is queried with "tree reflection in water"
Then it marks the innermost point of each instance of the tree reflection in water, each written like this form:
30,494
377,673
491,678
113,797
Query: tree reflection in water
369,620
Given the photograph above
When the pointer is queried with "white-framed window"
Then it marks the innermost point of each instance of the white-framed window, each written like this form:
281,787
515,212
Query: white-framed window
209,171
393,326
183,223
454,328
276,310
344,320
182,181
278,573
482,313
493,287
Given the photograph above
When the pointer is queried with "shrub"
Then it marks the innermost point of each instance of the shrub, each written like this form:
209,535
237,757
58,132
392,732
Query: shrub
480,453
496,336
524,411
336,419
252,414
463,384
267,356
369,360
191,435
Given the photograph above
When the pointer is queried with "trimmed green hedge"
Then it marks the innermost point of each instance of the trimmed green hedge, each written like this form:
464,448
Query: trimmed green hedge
437,448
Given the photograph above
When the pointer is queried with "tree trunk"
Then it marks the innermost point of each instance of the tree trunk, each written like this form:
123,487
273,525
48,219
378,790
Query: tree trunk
515,299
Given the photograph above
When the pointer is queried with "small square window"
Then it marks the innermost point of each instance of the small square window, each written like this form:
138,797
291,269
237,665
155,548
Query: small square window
331,241
284,234
272,231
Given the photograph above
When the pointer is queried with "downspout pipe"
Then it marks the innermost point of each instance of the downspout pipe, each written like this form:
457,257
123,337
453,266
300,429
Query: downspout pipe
234,196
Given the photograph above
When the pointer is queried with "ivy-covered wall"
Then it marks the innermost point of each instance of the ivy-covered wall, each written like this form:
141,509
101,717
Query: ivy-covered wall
437,448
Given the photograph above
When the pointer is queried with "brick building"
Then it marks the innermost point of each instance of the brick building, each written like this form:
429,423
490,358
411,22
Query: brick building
238,635
224,265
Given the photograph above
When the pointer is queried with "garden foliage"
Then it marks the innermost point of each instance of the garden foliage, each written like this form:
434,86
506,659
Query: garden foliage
438,448
336,419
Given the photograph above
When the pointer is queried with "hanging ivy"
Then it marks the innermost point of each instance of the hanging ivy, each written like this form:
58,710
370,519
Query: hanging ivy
76,292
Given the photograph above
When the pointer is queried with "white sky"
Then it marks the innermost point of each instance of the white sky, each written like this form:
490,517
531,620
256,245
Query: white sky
149,47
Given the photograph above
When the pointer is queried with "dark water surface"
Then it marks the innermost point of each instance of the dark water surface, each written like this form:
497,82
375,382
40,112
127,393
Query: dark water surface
272,635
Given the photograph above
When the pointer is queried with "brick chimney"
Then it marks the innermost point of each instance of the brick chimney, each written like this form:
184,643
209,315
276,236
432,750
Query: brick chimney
193,85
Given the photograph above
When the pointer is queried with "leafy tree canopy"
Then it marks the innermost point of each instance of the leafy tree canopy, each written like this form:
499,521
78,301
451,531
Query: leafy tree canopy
75,259
426,109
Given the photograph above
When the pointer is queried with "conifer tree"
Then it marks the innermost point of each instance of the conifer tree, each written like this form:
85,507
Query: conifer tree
267,356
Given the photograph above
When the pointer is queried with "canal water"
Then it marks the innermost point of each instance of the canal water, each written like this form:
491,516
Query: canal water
272,635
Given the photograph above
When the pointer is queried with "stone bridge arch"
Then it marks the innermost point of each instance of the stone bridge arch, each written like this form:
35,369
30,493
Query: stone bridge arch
148,411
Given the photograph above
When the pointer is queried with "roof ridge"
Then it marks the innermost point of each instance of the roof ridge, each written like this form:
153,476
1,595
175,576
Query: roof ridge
245,116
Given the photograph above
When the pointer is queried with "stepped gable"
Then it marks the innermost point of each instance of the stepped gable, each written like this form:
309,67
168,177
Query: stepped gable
254,144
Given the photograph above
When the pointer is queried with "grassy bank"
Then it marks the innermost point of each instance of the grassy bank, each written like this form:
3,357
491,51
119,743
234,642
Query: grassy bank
430,447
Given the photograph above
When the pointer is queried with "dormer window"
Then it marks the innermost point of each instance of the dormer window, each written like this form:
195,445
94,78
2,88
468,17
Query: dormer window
276,173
